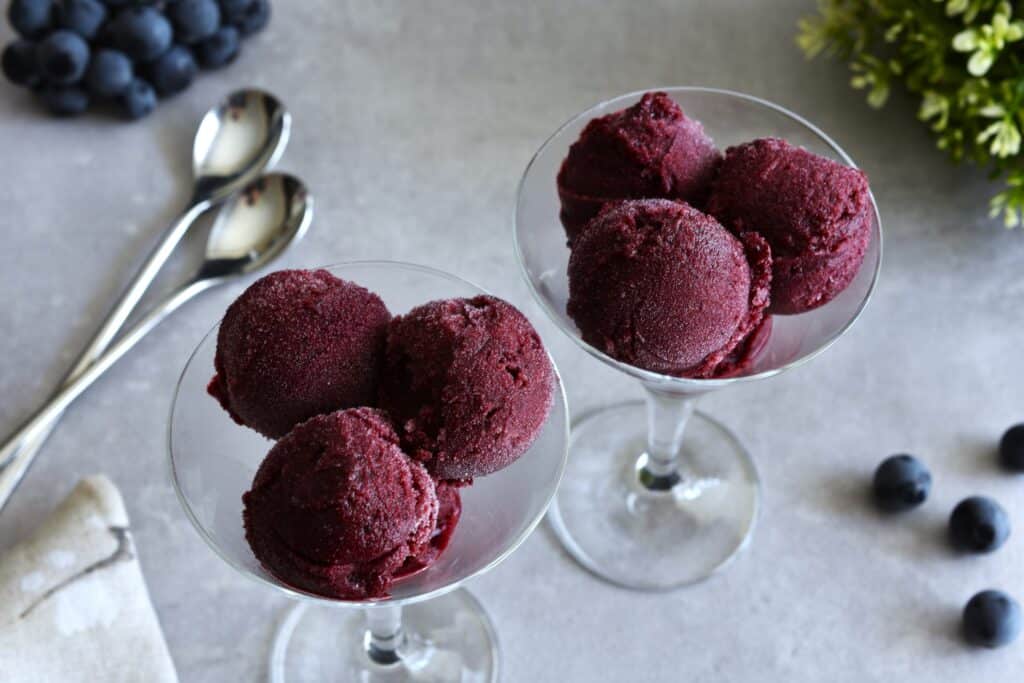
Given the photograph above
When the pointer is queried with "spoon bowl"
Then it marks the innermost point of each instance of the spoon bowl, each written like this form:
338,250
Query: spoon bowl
244,134
256,226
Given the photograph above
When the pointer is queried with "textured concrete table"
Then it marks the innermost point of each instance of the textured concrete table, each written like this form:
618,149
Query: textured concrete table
413,122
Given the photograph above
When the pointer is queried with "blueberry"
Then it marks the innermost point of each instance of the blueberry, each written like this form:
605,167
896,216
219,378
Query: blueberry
30,18
194,19
174,71
979,524
65,100
84,17
233,9
991,619
253,18
105,36
1011,448
901,482
62,57
19,63
110,73
138,100
220,49
143,33
118,4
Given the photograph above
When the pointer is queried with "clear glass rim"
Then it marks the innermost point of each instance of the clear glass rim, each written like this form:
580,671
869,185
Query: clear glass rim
688,384
560,403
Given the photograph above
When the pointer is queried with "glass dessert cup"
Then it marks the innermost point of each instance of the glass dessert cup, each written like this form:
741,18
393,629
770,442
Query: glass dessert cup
657,495
427,629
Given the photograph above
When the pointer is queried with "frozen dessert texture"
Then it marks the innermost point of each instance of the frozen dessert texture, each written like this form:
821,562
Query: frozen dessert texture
659,285
338,509
468,383
353,497
448,514
743,357
815,213
649,150
295,344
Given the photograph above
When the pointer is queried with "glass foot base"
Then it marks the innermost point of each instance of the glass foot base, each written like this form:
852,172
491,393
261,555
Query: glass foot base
653,540
449,638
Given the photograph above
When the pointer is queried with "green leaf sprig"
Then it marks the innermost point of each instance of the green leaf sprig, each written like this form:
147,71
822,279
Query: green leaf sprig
964,59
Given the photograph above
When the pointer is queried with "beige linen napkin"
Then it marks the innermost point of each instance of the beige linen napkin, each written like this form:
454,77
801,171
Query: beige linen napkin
73,603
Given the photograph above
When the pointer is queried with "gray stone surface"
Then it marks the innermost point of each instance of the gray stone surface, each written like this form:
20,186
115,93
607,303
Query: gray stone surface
413,122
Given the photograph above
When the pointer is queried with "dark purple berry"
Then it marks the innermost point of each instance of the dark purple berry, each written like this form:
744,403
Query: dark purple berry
173,71
1011,449
138,100
233,9
979,524
64,100
19,63
30,18
62,57
84,17
194,20
109,74
253,18
901,482
143,33
220,49
991,619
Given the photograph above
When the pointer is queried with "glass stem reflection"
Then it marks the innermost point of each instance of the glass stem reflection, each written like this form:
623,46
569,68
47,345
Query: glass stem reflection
384,634
667,414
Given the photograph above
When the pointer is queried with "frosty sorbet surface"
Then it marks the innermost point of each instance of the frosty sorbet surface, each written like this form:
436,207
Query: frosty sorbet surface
295,344
338,509
816,214
468,383
660,285
649,150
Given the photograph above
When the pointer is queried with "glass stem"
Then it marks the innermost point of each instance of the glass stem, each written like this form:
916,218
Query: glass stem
384,634
667,415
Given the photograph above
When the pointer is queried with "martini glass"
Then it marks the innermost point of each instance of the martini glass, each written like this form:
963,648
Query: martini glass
656,494
427,629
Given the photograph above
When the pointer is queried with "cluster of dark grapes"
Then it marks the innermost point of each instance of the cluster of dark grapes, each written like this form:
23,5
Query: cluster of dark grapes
128,52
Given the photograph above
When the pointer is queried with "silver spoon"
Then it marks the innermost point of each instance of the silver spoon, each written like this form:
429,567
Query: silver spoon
235,142
252,230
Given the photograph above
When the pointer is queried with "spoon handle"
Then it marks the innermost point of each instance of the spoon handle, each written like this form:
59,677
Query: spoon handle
21,448
118,315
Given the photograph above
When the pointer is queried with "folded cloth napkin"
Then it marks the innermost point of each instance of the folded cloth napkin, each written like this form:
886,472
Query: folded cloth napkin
73,604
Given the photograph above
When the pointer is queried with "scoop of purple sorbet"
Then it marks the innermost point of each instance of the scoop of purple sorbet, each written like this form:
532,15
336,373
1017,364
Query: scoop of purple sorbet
814,212
661,286
649,150
295,344
337,508
468,383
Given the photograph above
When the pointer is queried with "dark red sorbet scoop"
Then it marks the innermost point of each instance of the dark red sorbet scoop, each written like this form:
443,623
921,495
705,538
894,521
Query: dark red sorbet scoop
295,344
650,150
659,285
339,510
816,214
468,383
